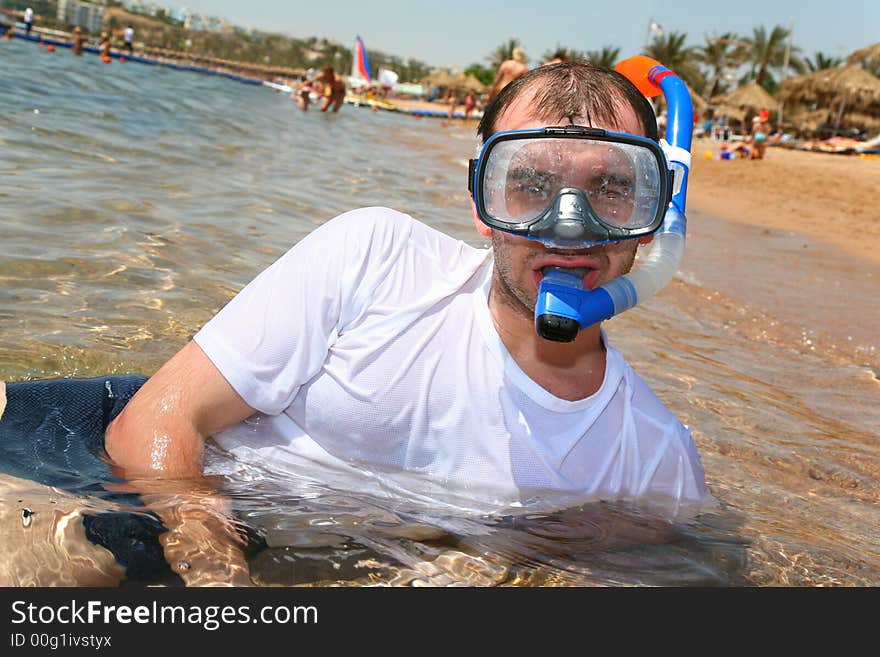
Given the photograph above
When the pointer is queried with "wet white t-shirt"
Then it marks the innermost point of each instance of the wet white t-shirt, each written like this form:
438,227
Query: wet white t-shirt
369,346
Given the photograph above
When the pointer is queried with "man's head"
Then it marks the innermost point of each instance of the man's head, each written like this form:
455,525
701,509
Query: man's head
569,93
519,54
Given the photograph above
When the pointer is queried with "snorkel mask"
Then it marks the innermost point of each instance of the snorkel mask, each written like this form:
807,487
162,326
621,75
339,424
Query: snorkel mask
574,187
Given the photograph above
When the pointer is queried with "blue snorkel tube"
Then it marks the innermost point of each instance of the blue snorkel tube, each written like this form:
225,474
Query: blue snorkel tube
564,306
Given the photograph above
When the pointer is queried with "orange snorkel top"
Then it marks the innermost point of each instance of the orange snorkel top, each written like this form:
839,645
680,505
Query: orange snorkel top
637,69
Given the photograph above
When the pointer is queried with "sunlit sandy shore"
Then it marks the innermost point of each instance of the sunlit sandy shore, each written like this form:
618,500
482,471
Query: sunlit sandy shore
832,198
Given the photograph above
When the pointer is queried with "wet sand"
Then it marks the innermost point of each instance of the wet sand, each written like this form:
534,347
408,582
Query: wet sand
796,235
832,198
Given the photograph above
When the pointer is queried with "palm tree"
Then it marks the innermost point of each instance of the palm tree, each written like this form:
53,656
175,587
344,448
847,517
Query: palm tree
503,52
607,57
568,54
720,54
767,51
822,61
669,50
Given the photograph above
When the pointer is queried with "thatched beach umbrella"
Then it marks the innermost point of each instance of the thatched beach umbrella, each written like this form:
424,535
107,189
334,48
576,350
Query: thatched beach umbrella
865,55
736,104
438,78
468,83
849,87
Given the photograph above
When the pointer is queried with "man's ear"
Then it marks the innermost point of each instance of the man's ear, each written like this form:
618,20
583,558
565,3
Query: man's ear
482,228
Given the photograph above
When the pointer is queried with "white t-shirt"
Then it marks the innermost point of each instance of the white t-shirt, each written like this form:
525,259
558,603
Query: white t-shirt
28,15
369,346
128,34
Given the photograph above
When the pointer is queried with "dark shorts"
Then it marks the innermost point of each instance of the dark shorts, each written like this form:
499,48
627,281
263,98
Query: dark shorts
52,432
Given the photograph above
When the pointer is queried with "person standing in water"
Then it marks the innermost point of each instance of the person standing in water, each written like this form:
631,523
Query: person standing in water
128,39
104,46
28,20
509,71
334,89
77,41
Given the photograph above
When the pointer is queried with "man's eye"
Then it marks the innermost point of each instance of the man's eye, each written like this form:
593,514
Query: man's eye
613,188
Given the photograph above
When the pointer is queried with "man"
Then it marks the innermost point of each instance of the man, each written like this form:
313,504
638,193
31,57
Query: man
77,41
334,88
380,341
509,71
28,20
128,38
379,345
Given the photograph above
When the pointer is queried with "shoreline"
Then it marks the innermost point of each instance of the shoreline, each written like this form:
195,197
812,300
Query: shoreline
829,198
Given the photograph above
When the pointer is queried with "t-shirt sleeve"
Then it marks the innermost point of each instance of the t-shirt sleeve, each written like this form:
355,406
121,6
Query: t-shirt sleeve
273,336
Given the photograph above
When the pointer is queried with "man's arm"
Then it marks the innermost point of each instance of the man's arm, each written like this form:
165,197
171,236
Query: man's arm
161,432
157,444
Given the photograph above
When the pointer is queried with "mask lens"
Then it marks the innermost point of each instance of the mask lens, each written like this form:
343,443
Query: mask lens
621,181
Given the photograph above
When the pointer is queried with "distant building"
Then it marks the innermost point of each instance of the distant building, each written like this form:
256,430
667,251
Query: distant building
84,14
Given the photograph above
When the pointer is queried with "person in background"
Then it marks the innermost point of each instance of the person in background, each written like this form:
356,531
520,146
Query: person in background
509,71
128,39
334,88
470,102
28,20
77,41
759,134
104,45
302,94
558,57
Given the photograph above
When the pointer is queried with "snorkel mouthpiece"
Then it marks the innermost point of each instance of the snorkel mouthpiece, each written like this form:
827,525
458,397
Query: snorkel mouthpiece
564,306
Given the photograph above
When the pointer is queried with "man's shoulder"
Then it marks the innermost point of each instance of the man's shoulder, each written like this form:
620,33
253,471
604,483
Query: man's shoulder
377,222
647,405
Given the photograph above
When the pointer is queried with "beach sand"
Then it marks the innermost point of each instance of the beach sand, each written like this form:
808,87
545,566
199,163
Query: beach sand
831,198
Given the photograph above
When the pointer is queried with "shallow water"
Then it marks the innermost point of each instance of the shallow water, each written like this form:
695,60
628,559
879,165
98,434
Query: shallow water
135,201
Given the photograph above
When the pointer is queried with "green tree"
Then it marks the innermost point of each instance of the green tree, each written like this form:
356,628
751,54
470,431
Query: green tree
483,74
607,57
568,54
670,50
503,52
766,51
721,55
822,61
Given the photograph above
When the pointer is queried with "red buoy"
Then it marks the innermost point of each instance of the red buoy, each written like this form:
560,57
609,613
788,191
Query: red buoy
105,59
50,48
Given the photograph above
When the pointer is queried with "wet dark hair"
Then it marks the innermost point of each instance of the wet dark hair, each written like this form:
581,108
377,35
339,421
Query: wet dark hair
570,89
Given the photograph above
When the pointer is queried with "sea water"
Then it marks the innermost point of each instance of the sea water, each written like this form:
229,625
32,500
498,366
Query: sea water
135,201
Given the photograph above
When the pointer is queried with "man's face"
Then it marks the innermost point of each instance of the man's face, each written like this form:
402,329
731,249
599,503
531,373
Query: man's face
519,261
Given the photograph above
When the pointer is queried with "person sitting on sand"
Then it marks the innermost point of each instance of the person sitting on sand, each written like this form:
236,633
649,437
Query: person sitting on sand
380,344
509,71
